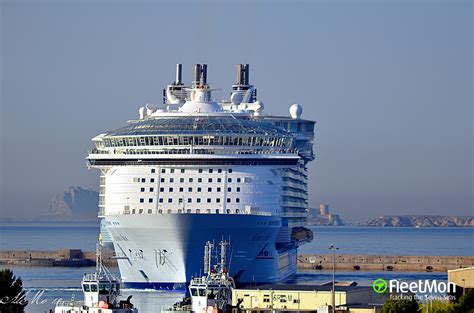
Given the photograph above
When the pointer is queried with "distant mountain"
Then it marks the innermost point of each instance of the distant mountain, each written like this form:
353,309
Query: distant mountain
420,221
74,205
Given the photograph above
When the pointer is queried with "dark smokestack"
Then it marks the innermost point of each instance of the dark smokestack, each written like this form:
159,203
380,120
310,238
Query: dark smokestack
197,73
239,74
246,80
204,73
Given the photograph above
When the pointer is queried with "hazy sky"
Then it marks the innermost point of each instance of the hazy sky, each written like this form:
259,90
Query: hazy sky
389,83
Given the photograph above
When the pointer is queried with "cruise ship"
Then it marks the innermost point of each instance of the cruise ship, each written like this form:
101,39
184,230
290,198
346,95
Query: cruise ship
195,169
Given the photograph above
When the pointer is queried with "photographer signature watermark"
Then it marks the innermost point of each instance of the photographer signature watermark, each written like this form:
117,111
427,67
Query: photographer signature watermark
30,297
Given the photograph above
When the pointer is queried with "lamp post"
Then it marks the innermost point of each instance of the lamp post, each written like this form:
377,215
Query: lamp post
464,286
333,291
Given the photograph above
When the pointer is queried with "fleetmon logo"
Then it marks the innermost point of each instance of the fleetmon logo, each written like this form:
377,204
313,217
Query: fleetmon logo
380,285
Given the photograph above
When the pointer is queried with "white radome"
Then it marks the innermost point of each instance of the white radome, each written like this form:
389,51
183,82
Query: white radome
236,98
141,112
296,110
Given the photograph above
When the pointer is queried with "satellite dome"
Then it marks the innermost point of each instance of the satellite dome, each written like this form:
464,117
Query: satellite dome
258,106
296,110
236,98
141,112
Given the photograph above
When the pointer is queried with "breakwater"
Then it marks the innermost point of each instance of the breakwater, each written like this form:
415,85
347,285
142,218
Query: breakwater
62,257
306,262
375,263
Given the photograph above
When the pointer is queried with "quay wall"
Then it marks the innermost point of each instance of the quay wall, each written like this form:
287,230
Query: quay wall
355,262
306,262
62,257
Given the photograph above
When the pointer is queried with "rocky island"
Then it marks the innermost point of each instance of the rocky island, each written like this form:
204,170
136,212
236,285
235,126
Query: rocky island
76,204
420,221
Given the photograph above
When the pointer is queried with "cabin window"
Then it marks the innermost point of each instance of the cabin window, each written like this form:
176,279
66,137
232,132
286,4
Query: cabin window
87,287
93,288
194,292
202,292
104,289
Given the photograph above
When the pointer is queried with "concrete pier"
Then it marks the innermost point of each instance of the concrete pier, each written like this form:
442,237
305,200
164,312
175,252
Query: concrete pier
62,257
373,263
306,262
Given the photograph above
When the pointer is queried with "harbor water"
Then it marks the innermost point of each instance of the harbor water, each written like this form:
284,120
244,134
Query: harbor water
46,285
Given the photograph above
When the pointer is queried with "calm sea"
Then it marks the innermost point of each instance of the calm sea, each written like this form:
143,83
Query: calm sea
361,240
64,283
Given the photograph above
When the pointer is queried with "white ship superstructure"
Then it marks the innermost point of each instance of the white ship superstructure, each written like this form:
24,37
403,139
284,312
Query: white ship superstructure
193,169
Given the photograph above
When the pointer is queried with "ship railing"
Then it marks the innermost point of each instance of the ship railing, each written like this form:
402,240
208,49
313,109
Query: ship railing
98,277
196,151
194,211
176,309
70,303
214,279
294,214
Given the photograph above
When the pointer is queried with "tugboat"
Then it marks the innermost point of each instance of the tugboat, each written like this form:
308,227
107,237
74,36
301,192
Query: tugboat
213,291
101,290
